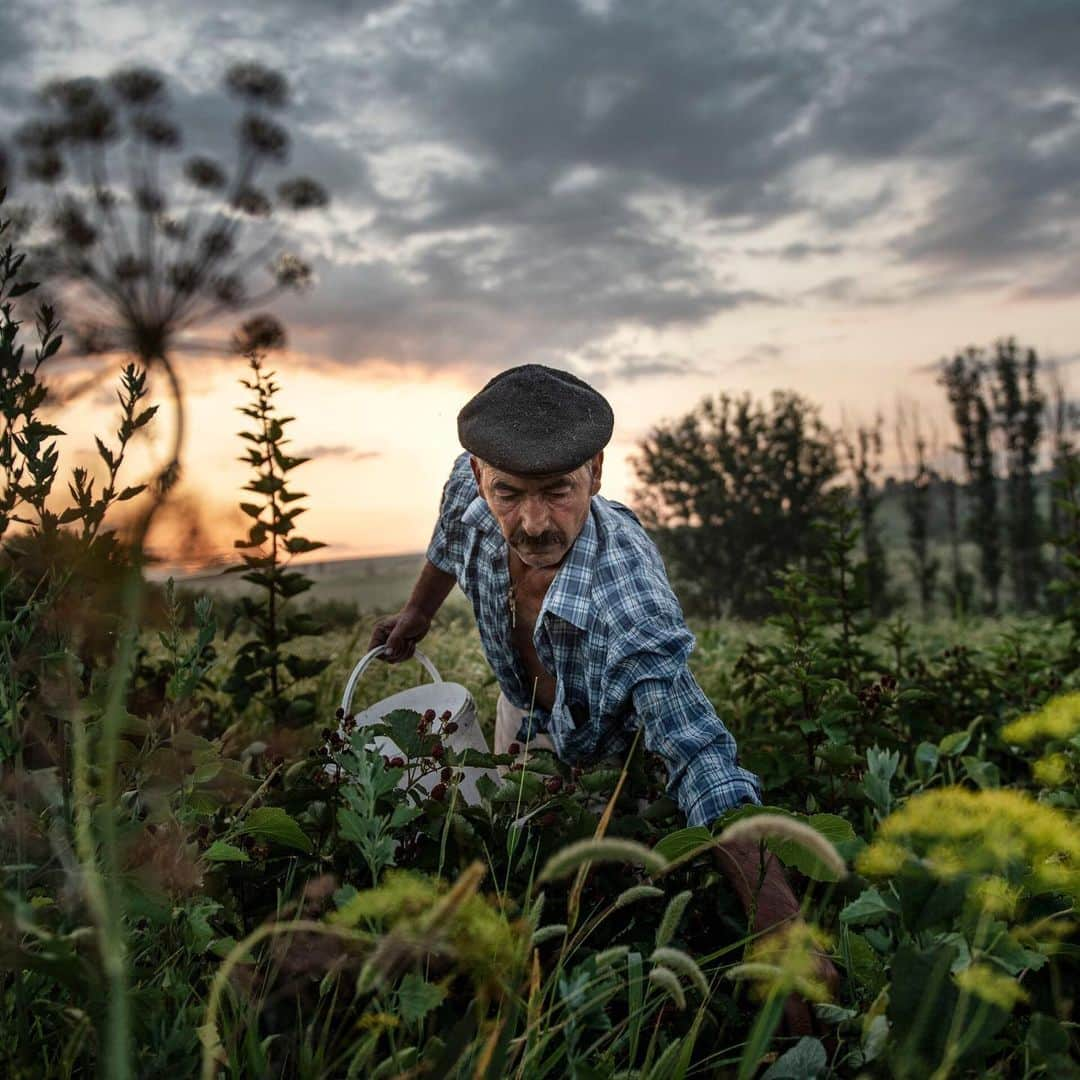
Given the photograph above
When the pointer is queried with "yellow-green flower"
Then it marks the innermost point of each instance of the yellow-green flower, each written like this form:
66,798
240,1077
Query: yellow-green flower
1052,771
786,961
956,832
1058,719
992,986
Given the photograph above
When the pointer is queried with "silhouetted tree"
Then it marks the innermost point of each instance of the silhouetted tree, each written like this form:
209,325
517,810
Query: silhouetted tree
1064,421
916,499
863,450
963,379
730,490
1019,406
149,247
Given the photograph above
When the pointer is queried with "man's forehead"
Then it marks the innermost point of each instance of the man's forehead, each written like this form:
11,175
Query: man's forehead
539,480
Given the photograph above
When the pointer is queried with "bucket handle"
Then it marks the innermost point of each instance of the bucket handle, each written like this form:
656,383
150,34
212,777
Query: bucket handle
354,678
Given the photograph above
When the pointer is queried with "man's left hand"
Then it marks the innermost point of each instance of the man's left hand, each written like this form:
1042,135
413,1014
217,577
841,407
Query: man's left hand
773,905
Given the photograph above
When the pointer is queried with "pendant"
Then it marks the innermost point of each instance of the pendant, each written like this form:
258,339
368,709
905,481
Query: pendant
512,605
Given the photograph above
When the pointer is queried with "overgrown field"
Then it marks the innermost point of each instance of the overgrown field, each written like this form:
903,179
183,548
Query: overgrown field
208,871
277,922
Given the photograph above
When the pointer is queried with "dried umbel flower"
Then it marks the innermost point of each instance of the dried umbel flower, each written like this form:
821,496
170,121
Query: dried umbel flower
260,333
70,222
173,229
257,84
138,86
94,124
290,271
149,200
263,137
250,200
129,268
72,94
39,135
45,167
303,193
229,289
156,130
216,243
184,277
204,173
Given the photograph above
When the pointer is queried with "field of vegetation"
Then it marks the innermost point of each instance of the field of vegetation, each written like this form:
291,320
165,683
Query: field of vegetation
208,871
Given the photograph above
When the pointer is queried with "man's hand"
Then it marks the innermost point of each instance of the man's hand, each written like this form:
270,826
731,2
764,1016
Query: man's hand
400,633
773,904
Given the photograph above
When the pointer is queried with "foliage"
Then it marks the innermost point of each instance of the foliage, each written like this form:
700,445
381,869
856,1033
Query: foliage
731,489
186,889
262,668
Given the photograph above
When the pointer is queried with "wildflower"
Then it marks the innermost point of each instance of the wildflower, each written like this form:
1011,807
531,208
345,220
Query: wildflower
992,986
1058,719
204,173
667,979
786,961
607,849
1052,771
955,832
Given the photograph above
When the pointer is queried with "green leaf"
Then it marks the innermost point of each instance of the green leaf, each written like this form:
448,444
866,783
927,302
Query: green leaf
417,997
835,829
272,823
954,744
682,842
867,908
219,851
806,1060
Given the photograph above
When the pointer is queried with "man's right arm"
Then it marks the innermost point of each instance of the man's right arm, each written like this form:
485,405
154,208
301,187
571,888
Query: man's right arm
401,632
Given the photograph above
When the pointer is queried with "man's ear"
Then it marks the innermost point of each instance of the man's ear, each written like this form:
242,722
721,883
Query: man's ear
478,474
597,469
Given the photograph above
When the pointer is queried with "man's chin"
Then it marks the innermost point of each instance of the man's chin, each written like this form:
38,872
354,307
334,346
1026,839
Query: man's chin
538,560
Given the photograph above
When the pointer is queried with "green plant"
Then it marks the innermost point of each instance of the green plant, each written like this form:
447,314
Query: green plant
263,668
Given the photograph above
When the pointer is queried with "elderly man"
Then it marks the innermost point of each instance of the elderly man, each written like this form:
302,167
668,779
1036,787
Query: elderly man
575,613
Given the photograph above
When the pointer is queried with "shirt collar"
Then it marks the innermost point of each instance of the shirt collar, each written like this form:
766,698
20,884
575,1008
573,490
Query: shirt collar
568,596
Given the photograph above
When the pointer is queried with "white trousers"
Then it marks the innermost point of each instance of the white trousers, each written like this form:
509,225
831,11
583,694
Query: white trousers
508,720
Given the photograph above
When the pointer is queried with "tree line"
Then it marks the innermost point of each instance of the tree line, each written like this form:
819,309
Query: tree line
737,489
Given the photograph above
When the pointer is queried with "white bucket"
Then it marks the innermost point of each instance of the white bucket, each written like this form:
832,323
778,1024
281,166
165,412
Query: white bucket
437,695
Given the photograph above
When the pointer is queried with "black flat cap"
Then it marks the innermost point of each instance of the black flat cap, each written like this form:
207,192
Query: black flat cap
533,420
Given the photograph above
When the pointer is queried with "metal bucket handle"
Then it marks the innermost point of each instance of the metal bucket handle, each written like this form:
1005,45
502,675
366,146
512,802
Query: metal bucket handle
354,678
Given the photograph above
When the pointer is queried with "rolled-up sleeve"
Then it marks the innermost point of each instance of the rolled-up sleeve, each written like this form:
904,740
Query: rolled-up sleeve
650,677
447,546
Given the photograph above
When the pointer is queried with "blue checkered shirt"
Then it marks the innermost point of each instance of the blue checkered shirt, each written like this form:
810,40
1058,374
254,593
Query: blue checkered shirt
611,631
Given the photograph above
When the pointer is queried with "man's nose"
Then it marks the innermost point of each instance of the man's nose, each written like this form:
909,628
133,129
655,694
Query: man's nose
534,516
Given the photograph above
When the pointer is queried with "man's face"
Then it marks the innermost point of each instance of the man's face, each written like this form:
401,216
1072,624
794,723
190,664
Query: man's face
540,516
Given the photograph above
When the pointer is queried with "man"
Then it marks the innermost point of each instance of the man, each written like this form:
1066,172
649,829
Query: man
575,613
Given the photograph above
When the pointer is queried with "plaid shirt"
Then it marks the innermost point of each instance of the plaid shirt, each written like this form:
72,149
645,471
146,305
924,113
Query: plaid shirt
611,631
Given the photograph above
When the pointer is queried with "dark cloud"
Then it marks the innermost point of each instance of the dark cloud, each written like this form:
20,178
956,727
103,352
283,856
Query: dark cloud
766,352
796,252
526,180
337,450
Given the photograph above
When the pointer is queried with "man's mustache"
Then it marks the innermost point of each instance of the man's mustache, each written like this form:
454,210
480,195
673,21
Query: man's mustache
551,538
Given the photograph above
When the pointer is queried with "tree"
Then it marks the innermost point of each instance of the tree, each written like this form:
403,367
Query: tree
1019,406
730,491
916,500
964,380
148,248
863,452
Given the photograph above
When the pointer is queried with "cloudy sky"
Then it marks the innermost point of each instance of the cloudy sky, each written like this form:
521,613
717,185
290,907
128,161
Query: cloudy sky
668,198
